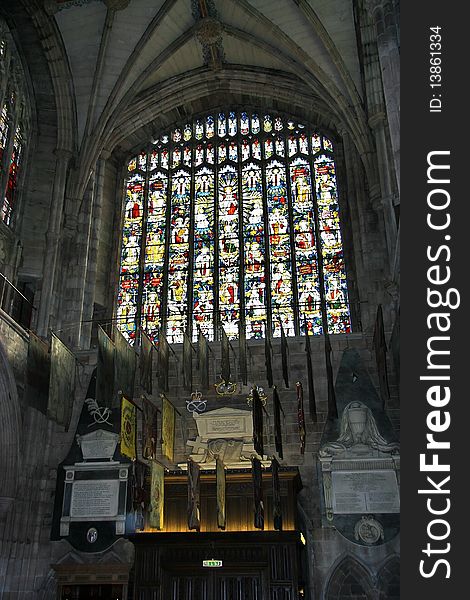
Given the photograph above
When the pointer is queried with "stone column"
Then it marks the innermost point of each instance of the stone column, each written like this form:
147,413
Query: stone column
385,21
53,237
86,309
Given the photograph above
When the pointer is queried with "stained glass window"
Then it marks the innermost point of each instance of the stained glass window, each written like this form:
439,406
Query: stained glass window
236,225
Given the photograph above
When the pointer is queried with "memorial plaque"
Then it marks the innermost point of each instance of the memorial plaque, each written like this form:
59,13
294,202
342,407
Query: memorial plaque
365,492
94,498
99,444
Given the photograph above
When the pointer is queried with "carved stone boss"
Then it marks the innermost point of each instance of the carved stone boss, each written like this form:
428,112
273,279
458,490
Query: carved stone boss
97,490
361,470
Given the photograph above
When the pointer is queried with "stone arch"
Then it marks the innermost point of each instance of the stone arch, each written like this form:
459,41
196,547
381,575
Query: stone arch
10,424
389,580
350,580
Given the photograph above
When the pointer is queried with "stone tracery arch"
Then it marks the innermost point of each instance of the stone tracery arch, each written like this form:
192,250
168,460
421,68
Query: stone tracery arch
350,581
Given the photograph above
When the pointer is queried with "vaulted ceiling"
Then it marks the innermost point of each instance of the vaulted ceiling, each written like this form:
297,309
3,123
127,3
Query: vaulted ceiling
134,65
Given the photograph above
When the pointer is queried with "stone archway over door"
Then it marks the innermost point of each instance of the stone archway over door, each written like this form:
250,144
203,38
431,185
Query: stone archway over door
350,581
9,435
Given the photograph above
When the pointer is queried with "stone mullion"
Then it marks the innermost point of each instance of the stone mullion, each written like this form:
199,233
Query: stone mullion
241,253
324,313
295,287
190,283
143,246
166,260
267,261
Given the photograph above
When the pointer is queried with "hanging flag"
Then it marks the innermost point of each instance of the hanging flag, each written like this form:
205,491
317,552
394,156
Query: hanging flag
268,355
284,356
332,408
301,416
125,360
257,414
61,384
225,353
149,429
38,373
128,428
157,495
105,370
203,360
220,484
168,429
242,354
146,362
163,362
194,515
187,362
277,506
380,347
277,423
257,493
312,405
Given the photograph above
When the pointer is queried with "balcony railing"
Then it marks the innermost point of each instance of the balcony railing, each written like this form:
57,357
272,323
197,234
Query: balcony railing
15,303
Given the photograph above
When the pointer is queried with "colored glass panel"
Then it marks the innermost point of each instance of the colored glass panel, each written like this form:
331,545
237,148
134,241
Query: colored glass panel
255,124
210,127
187,133
244,123
154,254
308,284
221,125
254,251
267,124
334,273
316,142
327,144
130,255
232,124
204,235
279,248
229,251
178,256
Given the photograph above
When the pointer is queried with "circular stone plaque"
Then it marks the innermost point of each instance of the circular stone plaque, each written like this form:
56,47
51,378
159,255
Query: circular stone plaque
92,535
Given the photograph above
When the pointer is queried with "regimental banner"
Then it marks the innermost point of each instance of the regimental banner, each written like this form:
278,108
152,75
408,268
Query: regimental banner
277,423
220,480
257,493
38,373
284,357
149,429
187,362
312,405
268,358
128,428
145,362
242,354
61,384
157,496
225,352
380,347
301,416
105,370
203,360
277,506
257,413
163,362
194,491
168,429
125,360
332,407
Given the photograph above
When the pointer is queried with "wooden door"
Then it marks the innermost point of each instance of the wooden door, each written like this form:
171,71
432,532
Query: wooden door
212,584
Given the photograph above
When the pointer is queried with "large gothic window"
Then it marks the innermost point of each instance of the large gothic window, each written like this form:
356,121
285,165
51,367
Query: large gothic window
14,124
233,220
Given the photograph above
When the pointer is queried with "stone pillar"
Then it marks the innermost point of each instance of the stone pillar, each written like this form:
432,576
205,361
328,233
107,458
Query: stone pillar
53,238
86,311
385,21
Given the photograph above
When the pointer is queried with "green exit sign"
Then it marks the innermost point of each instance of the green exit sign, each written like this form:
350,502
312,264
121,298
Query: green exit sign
212,563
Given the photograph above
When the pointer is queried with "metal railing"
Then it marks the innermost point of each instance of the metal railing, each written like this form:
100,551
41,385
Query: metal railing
15,303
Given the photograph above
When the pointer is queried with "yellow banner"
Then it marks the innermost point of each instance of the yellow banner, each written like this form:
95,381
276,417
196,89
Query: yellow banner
157,496
128,428
168,429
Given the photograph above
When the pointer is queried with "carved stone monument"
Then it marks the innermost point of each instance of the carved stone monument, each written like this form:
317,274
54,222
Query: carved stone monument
224,433
96,488
360,469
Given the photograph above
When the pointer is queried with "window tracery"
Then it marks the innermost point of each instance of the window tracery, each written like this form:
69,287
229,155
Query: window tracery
233,220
